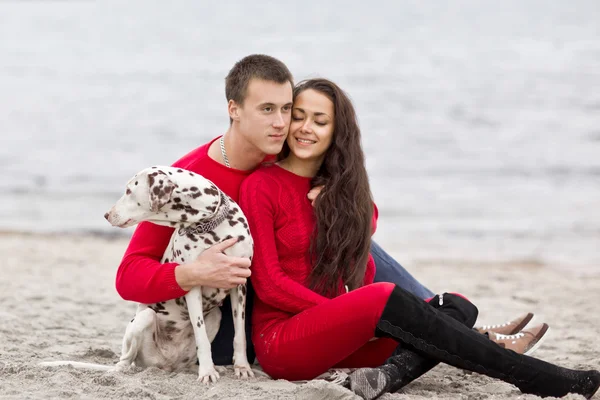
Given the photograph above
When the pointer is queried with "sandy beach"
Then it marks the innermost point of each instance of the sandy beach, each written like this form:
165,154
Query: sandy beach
59,303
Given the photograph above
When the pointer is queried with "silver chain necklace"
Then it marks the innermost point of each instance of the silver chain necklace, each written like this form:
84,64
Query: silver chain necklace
223,153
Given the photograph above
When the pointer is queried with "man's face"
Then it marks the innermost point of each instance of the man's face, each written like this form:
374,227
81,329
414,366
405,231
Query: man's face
264,118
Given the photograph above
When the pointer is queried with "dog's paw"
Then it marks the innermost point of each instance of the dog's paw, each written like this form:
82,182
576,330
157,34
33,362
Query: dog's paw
243,371
208,375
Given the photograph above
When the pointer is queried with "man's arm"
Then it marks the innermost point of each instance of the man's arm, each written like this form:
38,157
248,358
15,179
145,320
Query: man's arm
141,277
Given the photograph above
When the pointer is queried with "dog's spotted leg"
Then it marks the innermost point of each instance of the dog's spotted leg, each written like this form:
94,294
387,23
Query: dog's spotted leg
206,369
145,318
238,307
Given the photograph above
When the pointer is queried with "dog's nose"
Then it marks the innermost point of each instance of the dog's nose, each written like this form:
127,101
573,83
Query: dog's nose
106,216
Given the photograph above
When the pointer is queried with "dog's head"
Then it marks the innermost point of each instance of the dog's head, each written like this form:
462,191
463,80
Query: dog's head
165,195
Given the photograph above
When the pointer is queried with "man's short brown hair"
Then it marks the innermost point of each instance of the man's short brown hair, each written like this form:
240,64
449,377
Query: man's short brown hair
257,66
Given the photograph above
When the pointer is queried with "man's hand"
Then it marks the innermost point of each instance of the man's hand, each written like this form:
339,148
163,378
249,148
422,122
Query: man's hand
313,193
214,269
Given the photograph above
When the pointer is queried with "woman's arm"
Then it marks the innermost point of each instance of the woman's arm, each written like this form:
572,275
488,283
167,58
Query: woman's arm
272,285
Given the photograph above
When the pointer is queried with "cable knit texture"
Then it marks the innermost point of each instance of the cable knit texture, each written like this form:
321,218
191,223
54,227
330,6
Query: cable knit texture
281,220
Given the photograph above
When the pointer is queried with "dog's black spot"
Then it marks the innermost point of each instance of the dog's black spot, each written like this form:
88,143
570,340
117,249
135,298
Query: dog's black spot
191,210
244,313
135,183
159,308
200,323
233,223
191,237
139,205
187,247
160,181
170,173
234,313
193,188
196,195
179,170
191,174
241,237
211,208
184,217
208,241
133,319
212,190
156,190
177,200
214,236
185,190
243,289
170,328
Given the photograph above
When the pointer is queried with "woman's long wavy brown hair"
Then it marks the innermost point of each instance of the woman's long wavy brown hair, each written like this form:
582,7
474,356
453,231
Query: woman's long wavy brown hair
341,241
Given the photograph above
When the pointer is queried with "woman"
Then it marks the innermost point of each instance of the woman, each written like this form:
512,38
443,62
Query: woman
316,312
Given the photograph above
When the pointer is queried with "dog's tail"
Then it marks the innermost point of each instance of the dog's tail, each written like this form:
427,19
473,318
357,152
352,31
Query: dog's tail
78,365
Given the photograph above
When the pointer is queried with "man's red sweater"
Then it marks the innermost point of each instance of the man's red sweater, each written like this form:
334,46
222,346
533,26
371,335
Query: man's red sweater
141,277
281,220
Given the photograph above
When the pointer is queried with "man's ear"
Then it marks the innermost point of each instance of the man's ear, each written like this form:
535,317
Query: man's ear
160,189
233,108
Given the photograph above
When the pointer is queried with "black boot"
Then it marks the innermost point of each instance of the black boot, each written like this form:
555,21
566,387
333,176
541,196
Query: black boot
405,365
433,334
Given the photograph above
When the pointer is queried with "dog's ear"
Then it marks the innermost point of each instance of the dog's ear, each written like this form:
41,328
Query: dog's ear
160,189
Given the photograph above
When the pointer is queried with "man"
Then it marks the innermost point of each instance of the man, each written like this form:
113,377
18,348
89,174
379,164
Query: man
259,94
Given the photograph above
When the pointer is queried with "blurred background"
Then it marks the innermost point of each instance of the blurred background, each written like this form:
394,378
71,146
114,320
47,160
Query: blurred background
480,119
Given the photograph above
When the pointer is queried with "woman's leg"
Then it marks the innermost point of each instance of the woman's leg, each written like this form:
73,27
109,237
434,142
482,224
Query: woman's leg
433,334
405,365
310,343
338,334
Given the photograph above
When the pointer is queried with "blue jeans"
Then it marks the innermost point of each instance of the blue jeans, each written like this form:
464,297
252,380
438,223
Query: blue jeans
388,270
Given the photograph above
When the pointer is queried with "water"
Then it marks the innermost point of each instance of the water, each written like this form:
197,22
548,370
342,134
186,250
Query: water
481,120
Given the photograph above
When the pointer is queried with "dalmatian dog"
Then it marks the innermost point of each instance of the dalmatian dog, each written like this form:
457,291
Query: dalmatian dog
174,335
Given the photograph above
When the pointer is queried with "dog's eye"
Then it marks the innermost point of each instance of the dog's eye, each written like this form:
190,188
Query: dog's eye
128,191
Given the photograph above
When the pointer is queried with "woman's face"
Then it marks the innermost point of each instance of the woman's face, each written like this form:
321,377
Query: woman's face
312,126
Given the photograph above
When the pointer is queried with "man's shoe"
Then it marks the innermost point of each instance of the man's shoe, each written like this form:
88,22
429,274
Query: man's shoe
524,342
508,328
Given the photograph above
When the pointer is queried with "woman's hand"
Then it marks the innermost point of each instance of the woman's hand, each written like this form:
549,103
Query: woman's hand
314,193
